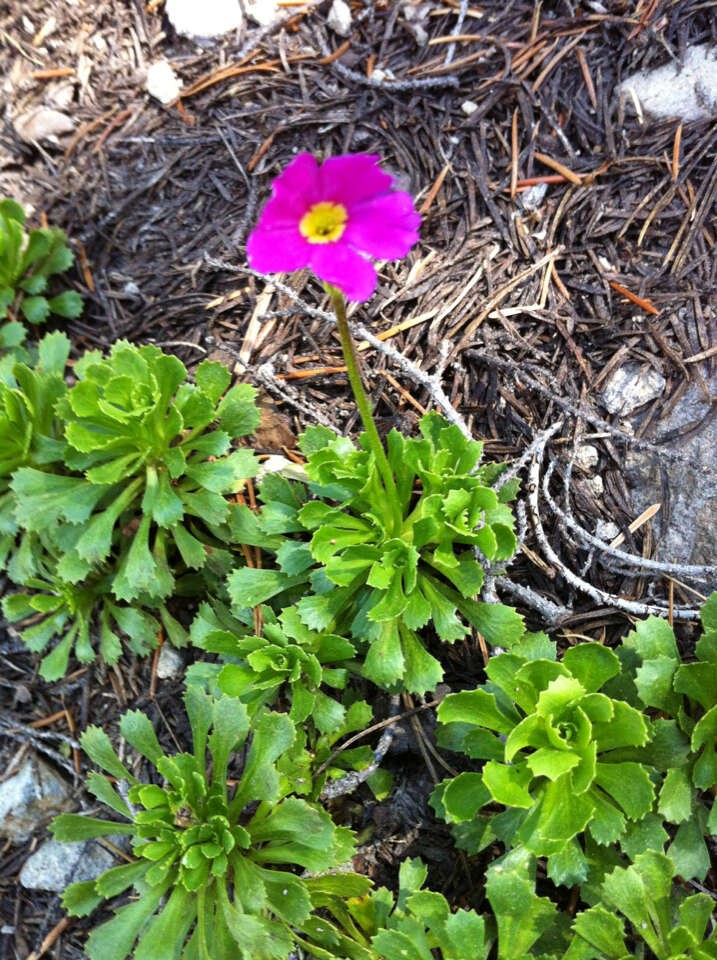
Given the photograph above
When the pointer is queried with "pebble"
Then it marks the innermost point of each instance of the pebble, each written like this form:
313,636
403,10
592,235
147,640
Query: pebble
631,387
687,90
170,663
587,456
55,865
606,530
469,107
162,82
339,18
210,18
30,798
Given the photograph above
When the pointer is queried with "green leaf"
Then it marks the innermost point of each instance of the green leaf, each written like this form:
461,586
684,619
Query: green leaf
249,587
80,899
68,304
212,378
521,915
73,827
464,796
98,748
226,475
629,784
35,309
114,940
53,351
137,729
602,930
676,796
646,834
508,784
237,412
688,851
384,663
592,664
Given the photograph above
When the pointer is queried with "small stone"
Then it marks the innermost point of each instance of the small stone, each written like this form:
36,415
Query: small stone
54,865
606,530
687,90
210,18
162,82
170,663
631,387
469,107
533,197
339,18
42,123
30,798
587,456
281,465
263,12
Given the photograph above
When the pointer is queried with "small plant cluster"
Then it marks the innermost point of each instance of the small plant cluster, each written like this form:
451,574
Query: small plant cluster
27,262
127,510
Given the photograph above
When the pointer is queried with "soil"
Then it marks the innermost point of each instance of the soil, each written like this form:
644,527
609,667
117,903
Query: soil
521,298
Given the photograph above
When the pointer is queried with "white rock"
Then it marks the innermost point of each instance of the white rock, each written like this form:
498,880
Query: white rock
339,18
205,19
688,91
162,82
606,530
287,468
587,456
170,663
30,798
631,387
42,123
264,12
469,107
54,865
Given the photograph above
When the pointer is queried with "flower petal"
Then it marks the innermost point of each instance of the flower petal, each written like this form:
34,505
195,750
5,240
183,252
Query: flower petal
338,264
353,177
384,227
271,249
293,192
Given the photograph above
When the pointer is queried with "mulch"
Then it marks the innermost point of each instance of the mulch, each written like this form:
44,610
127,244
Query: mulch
564,235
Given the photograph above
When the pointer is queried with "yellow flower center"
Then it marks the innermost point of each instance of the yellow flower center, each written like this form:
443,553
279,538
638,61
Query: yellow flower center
324,222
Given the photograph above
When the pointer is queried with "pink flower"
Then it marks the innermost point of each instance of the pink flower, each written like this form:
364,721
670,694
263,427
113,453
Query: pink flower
330,218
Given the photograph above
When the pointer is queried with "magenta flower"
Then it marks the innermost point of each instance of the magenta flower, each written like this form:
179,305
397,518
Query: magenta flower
330,218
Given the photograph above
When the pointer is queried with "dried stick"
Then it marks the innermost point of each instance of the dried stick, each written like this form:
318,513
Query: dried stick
349,783
409,368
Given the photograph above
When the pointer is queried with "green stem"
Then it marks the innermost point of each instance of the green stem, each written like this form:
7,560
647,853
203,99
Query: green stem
363,403
202,922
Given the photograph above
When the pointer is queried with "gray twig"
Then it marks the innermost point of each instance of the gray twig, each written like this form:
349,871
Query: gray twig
456,30
349,783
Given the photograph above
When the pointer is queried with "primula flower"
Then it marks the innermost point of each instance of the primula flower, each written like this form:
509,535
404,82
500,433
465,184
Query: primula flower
330,218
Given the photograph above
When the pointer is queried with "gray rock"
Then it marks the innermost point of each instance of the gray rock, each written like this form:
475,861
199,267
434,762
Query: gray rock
631,387
687,90
54,865
339,18
691,533
170,663
30,798
587,456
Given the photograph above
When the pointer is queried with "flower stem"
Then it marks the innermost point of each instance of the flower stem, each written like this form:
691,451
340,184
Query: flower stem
363,403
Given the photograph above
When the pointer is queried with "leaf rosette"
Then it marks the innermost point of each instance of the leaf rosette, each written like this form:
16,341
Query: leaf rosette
153,454
547,733
215,869
382,583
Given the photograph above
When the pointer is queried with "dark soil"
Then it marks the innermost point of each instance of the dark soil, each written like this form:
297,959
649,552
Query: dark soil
158,202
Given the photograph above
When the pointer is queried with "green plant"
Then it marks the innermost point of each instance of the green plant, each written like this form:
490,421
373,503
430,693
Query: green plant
287,655
685,694
30,435
672,928
381,582
215,872
27,261
119,486
562,757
